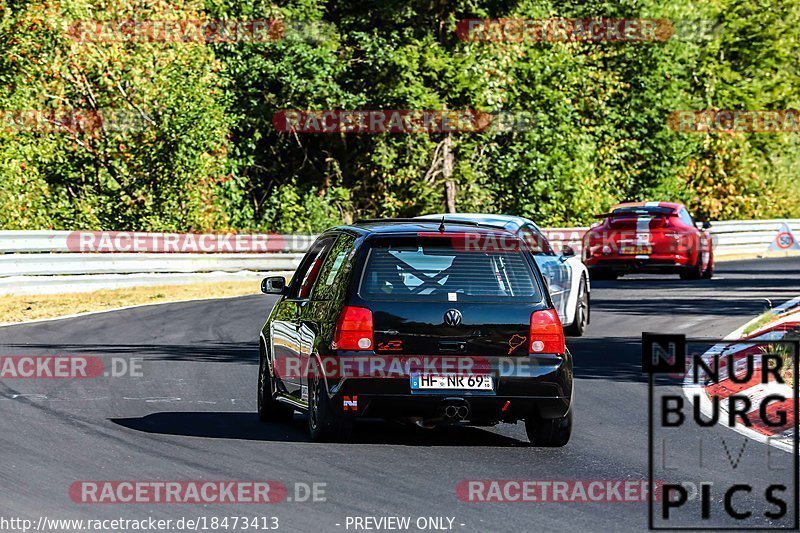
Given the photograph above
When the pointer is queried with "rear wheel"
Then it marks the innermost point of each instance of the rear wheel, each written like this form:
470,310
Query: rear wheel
578,326
709,271
324,422
696,272
269,409
551,433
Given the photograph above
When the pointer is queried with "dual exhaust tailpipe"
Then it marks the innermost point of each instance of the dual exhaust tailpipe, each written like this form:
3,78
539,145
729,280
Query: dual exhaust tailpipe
456,412
450,410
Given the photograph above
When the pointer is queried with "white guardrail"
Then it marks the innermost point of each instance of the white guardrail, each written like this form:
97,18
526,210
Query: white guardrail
50,262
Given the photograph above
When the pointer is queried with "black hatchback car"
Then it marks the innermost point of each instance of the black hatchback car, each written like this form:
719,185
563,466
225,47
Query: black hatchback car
432,322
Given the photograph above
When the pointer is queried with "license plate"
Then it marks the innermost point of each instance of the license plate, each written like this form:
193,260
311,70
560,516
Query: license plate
637,249
451,382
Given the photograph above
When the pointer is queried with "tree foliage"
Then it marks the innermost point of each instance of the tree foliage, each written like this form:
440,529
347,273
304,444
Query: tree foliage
201,152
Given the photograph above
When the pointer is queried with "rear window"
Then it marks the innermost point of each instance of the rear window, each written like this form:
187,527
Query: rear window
432,269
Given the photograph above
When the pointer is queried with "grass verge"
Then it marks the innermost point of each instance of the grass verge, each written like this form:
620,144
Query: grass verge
785,351
21,308
762,320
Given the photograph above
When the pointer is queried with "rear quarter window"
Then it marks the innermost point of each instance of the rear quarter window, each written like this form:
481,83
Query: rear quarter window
433,270
307,273
685,217
335,271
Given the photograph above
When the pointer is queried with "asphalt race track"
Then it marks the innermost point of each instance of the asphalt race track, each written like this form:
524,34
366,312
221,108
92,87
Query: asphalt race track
192,416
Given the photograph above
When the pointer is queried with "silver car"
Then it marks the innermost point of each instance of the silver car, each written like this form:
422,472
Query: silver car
565,273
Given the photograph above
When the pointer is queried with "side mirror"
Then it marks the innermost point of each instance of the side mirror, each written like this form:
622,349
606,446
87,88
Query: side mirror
273,285
567,251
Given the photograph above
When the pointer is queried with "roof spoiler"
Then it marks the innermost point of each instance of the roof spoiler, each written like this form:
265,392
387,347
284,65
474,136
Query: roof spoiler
420,220
609,215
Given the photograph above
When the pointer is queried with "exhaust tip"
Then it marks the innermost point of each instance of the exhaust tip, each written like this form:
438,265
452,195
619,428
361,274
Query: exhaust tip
455,409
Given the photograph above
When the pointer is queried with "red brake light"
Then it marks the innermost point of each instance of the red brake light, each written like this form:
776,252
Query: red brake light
354,329
589,241
546,333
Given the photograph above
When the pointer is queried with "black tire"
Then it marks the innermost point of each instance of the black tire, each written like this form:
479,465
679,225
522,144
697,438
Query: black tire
709,271
696,272
600,274
578,326
325,423
269,409
550,433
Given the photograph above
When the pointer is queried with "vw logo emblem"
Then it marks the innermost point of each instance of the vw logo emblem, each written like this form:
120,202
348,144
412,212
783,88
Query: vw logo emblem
452,317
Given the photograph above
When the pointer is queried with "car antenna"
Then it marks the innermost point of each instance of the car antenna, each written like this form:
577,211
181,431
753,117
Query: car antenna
441,226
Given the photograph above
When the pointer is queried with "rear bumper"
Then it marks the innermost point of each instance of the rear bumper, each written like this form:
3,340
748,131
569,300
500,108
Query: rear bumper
523,387
668,264
481,409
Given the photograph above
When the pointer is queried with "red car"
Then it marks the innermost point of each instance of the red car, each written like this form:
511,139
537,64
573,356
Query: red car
648,237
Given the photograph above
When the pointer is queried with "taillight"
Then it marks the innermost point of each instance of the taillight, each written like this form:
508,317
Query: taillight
546,333
354,329
592,242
